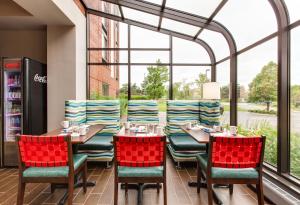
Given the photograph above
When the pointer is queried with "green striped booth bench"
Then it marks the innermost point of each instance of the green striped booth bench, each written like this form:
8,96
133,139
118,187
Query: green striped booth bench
182,146
107,112
142,111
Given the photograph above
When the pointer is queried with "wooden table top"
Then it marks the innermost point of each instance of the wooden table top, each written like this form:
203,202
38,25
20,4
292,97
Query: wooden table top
198,134
93,129
202,137
128,132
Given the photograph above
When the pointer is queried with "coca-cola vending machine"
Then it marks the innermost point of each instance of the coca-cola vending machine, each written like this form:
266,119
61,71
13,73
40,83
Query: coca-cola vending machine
23,103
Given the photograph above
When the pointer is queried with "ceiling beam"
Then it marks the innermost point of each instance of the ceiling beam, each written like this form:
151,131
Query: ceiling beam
163,6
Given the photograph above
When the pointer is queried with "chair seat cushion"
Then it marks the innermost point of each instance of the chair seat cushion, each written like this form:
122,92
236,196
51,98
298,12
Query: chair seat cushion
228,173
185,143
97,143
78,159
140,171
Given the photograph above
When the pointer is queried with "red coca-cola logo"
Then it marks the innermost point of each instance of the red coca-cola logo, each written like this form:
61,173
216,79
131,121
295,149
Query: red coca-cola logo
12,65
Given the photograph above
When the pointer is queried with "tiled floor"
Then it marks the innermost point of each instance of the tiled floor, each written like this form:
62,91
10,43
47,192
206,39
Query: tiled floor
178,190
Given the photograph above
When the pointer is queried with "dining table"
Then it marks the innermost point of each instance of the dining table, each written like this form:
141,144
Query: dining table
202,136
140,187
76,140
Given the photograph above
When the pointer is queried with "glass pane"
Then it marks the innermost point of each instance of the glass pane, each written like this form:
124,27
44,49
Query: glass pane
109,82
103,6
149,56
248,21
295,103
257,95
199,7
188,52
151,83
217,42
154,1
293,8
140,16
188,80
108,56
179,27
143,38
223,77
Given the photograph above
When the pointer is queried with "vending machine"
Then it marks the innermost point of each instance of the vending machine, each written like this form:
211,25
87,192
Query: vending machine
23,103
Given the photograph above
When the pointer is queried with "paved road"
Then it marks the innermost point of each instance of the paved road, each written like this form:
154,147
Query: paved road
249,119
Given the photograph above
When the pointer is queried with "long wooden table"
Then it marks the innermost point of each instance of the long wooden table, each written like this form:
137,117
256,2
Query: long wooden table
93,130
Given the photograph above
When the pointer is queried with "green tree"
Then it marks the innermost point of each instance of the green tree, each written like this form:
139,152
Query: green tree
225,92
154,82
135,89
263,88
295,95
124,89
202,78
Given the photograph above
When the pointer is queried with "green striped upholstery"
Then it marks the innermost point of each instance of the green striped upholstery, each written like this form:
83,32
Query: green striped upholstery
210,112
75,111
142,111
105,112
180,112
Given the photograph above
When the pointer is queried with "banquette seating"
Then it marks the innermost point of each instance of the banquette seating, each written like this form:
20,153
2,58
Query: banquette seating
100,147
182,146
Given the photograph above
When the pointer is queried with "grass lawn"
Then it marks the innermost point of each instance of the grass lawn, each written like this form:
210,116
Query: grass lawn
162,106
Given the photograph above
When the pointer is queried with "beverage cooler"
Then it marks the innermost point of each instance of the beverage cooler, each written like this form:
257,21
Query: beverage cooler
23,103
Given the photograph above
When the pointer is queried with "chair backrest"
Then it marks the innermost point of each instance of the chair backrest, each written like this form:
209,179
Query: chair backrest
236,152
75,111
105,112
210,112
142,111
140,151
180,112
43,151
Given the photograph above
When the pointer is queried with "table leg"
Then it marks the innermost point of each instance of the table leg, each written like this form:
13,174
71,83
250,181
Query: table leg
140,188
203,185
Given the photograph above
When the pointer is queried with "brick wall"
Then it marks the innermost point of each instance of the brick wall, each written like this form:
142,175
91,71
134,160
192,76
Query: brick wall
100,75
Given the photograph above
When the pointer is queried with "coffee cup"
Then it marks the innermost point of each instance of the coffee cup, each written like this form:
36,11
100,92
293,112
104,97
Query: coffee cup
233,130
65,124
83,130
189,125
127,125
159,131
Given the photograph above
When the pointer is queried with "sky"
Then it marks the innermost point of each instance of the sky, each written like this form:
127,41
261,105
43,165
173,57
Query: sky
237,16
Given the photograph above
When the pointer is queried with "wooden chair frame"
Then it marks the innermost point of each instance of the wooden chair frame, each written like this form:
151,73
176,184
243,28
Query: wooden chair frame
52,180
142,180
206,175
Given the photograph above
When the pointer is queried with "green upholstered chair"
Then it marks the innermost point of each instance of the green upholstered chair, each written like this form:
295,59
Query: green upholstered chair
140,160
75,111
182,146
232,160
44,159
142,112
210,112
107,112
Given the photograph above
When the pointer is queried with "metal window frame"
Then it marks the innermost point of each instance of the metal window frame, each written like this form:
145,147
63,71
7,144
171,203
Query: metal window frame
283,35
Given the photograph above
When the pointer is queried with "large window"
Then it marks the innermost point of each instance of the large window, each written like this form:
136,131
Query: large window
223,78
257,95
188,81
295,104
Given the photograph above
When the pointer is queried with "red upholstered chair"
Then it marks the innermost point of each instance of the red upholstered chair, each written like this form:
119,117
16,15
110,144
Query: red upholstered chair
232,160
140,160
44,159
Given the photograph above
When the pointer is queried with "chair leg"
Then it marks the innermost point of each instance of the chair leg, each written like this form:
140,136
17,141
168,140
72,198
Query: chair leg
21,191
70,190
230,189
209,192
52,188
126,188
198,177
165,192
116,187
157,187
84,176
260,193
